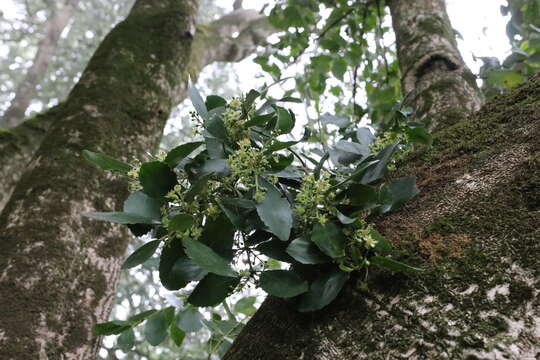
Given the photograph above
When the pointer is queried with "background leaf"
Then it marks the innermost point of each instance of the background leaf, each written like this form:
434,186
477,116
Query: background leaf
105,162
282,283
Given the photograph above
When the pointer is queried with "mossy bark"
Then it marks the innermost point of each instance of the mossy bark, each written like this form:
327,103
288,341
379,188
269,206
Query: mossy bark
213,42
58,271
435,80
474,229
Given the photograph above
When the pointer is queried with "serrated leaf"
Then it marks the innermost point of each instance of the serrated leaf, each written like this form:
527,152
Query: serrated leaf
142,254
212,290
120,217
181,222
207,259
393,264
276,213
179,153
329,239
126,340
323,291
306,252
156,178
282,283
105,162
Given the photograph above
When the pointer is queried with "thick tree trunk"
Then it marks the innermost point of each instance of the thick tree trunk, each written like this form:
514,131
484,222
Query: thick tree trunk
214,43
60,18
58,271
435,80
474,229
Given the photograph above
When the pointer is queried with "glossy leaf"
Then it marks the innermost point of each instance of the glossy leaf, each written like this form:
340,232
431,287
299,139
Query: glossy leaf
282,283
179,153
177,335
141,204
105,162
323,291
285,121
181,222
142,254
306,252
157,326
197,100
246,305
212,290
156,178
214,101
377,172
276,213
329,239
111,327
206,258
171,253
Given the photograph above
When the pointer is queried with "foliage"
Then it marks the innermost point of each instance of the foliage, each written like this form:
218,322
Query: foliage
223,211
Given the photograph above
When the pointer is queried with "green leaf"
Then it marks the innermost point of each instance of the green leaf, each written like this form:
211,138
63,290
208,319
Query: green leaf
197,100
329,239
505,78
260,120
251,96
278,145
382,246
377,172
190,320
339,67
282,283
306,252
157,326
276,213
214,101
111,327
121,218
339,121
214,125
136,319
105,162
401,190
181,222
393,264
285,121
141,204
275,249
212,290
419,135
215,166
126,340
156,178
179,153
246,305
177,335
323,291
142,254
206,258
218,234
364,196
185,270
364,136
171,253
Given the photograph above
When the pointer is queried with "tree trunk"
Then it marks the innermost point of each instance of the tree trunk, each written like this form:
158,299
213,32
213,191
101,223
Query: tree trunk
18,145
60,18
473,228
435,80
58,271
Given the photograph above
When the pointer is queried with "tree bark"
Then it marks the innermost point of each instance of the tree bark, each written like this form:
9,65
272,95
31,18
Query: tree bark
215,42
60,18
435,80
58,271
473,228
